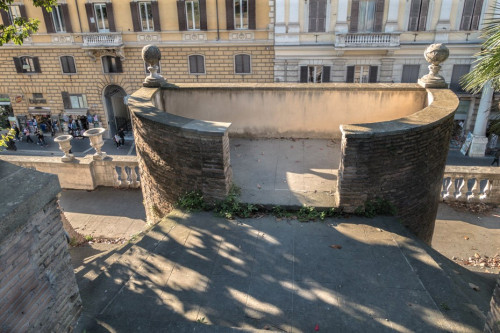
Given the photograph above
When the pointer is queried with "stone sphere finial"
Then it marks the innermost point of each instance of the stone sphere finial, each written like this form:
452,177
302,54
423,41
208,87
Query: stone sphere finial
151,55
435,54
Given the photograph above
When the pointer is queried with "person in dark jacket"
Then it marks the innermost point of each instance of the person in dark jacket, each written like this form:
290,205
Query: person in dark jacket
121,134
497,157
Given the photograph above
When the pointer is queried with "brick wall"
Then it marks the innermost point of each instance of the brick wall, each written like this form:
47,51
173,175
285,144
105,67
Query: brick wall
177,155
38,290
401,161
90,79
493,319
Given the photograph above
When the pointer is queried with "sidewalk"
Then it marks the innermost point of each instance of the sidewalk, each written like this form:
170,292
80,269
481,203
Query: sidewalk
197,272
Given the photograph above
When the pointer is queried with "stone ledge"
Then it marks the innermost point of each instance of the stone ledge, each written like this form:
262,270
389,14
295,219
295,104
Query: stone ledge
442,104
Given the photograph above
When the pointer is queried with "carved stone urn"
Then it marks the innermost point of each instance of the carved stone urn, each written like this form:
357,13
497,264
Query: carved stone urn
64,142
96,141
435,54
151,55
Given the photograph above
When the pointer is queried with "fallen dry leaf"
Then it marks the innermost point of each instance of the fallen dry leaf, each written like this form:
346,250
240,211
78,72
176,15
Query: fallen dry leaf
335,246
466,238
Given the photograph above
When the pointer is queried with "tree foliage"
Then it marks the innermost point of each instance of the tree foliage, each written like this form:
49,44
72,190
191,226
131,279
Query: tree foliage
487,64
21,27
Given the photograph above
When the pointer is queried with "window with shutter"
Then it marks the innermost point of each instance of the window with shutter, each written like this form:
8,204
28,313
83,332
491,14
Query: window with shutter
14,12
314,74
156,16
456,76
242,64
28,65
410,73
362,74
66,18
89,9
317,15
418,15
193,14
240,14
101,17
364,16
5,17
471,15
58,19
303,74
230,14
68,65
111,64
146,16
196,64
74,101
181,15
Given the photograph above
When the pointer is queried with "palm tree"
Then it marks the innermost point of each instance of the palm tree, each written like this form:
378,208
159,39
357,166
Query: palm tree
488,60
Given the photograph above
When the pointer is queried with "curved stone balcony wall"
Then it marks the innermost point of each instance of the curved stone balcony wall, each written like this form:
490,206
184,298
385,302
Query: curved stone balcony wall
177,154
401,161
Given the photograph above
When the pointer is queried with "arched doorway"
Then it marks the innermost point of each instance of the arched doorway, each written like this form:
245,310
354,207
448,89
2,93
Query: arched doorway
117,111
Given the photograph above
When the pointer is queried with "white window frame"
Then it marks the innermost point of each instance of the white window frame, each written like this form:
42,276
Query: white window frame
99,6
192,15
58,18
13,14
81,99
204,64
362,70
28,61
240,25
74,63
315,69
149,21
234,60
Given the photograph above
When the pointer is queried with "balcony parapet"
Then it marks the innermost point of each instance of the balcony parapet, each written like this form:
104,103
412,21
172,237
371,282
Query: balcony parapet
371,40
471,184
102,40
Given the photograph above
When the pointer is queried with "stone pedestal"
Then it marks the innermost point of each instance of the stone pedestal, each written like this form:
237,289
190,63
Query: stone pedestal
478,146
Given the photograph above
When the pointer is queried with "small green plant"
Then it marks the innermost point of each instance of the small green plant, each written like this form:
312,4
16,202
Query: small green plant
231,206
155,211
444,306
375,207
307,213
89,238
192,201
279,212
73,242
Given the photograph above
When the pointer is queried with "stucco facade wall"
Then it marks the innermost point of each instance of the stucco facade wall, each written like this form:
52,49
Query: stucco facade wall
298,110
401,161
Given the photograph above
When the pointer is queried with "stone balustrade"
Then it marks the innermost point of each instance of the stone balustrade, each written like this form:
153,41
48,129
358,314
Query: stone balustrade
85,173
367,40
473,184
102,39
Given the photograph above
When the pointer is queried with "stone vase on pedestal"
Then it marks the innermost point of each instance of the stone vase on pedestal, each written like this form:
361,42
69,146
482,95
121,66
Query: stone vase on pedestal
64,142
96,141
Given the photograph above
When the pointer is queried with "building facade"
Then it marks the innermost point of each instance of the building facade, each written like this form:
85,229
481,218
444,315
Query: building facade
86,57
379,41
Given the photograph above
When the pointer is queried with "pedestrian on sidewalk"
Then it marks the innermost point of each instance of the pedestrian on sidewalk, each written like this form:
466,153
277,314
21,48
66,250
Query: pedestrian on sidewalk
41,139
497,157
27,135
16,129
121,134
117,140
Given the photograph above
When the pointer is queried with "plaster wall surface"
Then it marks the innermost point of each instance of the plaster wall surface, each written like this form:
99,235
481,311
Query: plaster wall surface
298,110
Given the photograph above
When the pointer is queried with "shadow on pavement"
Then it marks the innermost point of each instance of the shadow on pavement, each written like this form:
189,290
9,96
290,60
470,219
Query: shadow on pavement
195,269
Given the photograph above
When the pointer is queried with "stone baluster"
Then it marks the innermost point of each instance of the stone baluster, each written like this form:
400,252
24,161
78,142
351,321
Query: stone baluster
447,182
124,177
116,177
460,188
483,193
472,189
134,178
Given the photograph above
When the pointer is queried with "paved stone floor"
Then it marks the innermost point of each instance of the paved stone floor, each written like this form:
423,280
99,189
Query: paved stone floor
286,172
344,275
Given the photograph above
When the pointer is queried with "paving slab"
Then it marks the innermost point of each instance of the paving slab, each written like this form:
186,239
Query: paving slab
286,172
281,275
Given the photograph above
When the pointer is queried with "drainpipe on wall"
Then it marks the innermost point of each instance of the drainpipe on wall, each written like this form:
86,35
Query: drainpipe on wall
217,14
78,13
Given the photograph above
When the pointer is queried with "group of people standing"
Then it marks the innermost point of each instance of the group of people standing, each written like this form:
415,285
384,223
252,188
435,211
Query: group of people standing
27,134
119,138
